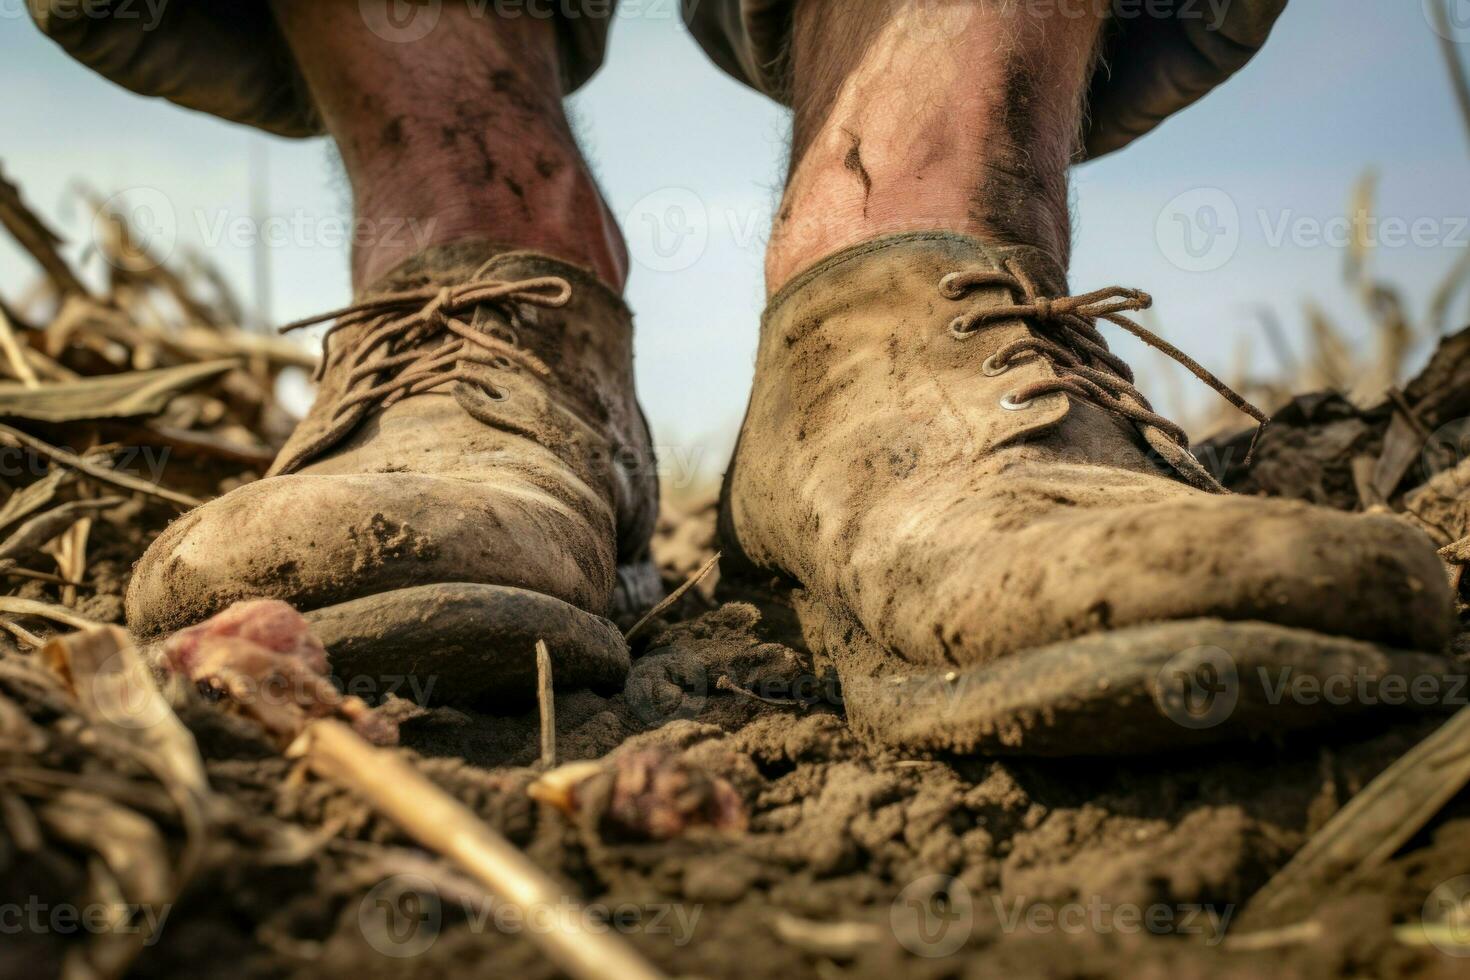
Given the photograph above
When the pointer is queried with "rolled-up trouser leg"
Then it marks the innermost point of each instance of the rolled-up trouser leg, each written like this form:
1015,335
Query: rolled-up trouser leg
227,58
1160,56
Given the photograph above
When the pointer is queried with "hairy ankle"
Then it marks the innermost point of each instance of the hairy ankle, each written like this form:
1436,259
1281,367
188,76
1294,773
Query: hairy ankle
961,118
548,203
838,198
458,135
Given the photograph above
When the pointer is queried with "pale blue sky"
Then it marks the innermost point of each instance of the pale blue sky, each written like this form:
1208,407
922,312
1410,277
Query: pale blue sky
1343,85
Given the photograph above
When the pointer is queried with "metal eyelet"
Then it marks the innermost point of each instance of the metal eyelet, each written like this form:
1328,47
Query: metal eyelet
961,334
1010,404
500,362
993,370
495,394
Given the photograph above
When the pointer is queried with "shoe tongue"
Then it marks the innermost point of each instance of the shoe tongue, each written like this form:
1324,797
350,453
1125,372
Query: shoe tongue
927,253
454,262
459,262
1037,264
907,269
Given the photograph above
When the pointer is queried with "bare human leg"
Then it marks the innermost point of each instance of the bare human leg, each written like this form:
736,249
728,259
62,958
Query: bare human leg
461,131
917,115
998,542
475,457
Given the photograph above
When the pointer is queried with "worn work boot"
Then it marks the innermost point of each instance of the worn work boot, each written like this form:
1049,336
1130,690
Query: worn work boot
475,475
1000,546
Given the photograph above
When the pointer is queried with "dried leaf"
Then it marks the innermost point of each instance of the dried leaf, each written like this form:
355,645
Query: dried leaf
1370,828
1456,552
558,787
42,528
131,261
132,873
36,238
1444,295
14,352
200,445
97,471
228,342
115,687
830,940
108,396
1402,445
29,499
656,795
1360,211
17,606
1331,364
1459,82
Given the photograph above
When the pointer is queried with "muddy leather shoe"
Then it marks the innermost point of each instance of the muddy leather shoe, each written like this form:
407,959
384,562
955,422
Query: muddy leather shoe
1000,546
474,475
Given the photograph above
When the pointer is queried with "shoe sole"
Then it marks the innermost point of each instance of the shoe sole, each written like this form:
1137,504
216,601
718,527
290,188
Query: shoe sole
1138,690
460,643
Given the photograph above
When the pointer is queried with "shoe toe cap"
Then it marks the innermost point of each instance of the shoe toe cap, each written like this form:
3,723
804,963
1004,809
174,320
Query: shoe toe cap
1084,571
316,540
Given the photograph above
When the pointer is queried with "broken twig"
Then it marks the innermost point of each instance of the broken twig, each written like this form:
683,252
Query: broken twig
441,823
672,597
17,606
96,471
1371,827
19,366
546,700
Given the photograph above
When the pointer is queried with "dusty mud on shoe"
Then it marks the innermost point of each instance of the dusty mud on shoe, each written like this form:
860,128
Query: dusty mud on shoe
1001,545
474,475
478,640
1156,688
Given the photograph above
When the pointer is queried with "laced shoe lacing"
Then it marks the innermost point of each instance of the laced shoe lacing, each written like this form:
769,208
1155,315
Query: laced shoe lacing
417,339
1065,333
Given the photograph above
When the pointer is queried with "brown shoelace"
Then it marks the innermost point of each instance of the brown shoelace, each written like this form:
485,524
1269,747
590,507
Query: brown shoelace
417,338
1068,337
